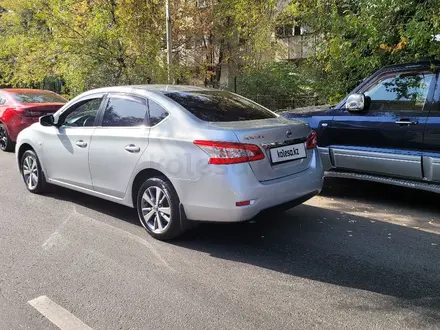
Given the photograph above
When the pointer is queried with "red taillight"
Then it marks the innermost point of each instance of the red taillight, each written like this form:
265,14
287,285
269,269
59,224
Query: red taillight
312,140
33,111
222,153
20,111
16,110
243,203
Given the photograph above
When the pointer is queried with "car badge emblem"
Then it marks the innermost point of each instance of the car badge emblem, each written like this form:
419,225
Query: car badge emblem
288,133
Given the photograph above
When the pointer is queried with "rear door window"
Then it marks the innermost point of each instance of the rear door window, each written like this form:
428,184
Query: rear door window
219,106
157,113
124,111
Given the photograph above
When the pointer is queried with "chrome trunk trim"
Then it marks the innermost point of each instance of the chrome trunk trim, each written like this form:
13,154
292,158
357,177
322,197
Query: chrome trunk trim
282,143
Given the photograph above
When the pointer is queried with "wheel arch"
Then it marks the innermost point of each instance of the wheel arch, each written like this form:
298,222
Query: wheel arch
140,178
8,133
21,150
4,124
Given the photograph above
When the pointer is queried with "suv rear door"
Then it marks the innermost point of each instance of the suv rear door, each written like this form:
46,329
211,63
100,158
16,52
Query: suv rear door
387,138
431,140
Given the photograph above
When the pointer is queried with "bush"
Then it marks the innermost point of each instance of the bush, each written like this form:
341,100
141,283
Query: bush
278,85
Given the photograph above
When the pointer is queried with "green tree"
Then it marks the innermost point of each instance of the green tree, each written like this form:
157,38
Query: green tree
234,34
89,43
92,43
277,85
359,36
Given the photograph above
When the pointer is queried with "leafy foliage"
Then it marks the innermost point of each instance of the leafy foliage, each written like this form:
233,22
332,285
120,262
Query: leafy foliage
92,43
280,80
237,33
360,36
88,43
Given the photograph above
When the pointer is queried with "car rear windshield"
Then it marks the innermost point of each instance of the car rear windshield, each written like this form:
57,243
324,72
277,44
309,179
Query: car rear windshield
219,106
37,97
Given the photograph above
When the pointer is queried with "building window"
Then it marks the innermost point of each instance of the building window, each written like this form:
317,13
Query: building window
289,30
202,3
305,30
284,31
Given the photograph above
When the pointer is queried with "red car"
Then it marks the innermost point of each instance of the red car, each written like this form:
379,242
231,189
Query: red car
20,108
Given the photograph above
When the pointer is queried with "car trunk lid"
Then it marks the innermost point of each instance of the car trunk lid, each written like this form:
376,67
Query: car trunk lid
282,141
39,109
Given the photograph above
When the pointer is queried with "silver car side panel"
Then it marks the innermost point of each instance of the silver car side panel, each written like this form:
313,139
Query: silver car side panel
408,166
431,168
88,191
64,160
111,165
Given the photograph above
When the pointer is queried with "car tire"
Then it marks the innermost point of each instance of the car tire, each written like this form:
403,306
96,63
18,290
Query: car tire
32,173
160,217
6,144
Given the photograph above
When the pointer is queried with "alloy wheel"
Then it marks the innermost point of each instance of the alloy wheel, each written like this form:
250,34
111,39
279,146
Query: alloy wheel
156,209
30,172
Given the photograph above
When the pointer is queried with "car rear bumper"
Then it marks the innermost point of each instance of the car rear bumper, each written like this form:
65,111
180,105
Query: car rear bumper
213,197
324,153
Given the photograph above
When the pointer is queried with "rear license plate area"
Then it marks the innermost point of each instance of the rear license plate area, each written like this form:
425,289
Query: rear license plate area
287,153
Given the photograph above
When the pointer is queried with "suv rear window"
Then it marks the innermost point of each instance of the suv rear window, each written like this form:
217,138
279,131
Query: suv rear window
219,106
37,97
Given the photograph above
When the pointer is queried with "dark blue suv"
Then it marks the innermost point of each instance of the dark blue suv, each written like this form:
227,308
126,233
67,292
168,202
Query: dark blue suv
387,129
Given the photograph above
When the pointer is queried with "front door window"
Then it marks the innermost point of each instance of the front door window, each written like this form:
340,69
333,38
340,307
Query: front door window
399,92
83,114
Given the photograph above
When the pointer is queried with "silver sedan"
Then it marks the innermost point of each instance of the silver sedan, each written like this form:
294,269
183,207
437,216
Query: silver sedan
175,153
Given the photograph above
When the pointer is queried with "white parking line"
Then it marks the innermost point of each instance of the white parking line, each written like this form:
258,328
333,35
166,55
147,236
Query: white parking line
56,238
56,314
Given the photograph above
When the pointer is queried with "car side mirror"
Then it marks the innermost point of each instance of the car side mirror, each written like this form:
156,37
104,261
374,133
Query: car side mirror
47,120
357,102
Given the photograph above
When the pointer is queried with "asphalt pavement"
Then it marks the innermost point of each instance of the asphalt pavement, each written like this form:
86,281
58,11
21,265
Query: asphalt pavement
359,256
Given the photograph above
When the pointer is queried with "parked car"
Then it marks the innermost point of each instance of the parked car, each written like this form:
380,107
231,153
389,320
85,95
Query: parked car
386,130
174,153
19,108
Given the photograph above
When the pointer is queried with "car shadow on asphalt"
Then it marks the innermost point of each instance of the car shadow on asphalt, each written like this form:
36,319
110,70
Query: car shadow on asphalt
320,245
326,245
379,193
111,209
335,247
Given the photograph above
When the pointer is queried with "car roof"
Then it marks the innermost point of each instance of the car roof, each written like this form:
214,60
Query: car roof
422,64
25,90
171,88
160,89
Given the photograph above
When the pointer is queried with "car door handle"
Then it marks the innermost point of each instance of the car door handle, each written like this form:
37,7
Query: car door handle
81,144
406,122
132,148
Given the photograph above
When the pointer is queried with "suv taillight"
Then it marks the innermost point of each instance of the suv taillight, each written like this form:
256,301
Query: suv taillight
312,140
223,153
